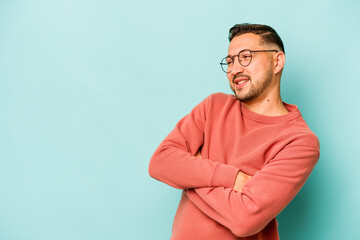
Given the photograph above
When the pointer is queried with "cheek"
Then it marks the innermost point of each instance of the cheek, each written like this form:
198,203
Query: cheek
229,77
254,73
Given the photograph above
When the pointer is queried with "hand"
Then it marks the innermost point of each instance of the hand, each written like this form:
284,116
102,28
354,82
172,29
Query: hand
241,179
198,154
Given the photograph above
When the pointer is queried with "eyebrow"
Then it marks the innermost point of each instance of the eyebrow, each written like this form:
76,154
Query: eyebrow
237,53
233,55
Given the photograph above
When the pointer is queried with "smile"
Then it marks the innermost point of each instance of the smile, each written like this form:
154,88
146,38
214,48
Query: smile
240,83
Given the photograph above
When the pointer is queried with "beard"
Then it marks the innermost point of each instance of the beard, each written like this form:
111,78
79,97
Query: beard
255,90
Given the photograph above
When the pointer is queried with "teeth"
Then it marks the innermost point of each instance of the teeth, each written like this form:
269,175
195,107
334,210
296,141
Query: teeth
241,81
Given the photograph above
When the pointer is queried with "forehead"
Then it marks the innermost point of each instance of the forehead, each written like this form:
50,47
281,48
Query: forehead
245,41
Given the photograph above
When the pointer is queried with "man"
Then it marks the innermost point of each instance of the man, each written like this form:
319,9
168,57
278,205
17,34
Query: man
240,159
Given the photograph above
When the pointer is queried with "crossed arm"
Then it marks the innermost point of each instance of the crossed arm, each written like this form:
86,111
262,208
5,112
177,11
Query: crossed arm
240,180
247,205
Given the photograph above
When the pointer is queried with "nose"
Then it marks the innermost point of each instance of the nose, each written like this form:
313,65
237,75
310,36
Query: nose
236,68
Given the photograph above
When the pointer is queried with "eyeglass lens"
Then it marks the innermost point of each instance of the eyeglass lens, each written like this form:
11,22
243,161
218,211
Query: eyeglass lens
244,58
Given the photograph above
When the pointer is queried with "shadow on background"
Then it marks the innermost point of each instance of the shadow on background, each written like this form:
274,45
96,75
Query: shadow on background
307,214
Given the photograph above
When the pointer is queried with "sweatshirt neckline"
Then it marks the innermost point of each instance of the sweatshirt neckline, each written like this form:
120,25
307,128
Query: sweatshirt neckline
293,114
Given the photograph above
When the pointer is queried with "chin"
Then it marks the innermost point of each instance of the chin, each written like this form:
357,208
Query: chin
241,97
246,98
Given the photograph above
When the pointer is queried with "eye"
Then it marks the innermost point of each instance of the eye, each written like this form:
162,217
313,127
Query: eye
229,61
246,56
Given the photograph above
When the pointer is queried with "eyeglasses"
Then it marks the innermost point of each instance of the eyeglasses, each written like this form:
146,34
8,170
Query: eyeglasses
244,57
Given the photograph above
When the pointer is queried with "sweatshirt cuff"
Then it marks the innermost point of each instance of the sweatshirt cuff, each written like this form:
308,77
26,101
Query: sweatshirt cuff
224,176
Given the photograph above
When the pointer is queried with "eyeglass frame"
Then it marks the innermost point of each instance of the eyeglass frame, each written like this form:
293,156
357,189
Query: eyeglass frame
238,55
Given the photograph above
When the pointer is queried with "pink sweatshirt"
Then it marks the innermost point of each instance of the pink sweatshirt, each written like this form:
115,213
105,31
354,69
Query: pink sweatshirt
279,152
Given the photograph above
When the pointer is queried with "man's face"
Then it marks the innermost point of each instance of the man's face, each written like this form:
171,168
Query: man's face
255,81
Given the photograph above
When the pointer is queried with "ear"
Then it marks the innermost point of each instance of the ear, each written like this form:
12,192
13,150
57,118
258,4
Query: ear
279,62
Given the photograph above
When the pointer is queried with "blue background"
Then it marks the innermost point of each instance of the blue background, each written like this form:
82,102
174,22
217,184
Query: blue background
88,90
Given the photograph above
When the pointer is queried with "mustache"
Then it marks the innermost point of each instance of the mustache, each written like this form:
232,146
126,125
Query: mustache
241,75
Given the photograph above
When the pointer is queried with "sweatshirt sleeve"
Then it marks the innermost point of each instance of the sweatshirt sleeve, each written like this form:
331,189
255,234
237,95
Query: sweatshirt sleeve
263,197
174,162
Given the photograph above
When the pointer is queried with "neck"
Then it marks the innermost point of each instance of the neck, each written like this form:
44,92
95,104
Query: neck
268,105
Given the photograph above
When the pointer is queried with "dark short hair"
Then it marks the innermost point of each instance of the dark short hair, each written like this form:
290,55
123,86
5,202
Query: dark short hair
267,33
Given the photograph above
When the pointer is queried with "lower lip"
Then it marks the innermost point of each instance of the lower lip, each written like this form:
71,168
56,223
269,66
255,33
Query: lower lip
241,85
